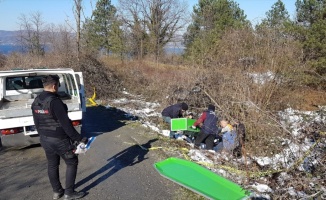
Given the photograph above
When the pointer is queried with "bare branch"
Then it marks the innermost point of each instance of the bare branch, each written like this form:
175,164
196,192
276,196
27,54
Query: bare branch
153,22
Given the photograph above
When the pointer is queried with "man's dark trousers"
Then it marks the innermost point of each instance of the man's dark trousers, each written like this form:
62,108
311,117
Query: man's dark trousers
207,138
54,149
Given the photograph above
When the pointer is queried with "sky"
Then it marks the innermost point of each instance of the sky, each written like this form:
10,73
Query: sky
61,11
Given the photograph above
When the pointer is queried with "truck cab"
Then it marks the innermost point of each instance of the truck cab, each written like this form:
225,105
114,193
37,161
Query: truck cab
18,89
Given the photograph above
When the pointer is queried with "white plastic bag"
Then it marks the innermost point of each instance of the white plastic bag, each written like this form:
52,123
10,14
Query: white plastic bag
81,148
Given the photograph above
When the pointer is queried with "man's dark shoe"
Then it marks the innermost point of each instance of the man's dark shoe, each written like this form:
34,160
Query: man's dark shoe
75,195
58,195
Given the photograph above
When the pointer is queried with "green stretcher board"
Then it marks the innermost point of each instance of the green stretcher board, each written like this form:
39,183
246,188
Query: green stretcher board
183,124
200,179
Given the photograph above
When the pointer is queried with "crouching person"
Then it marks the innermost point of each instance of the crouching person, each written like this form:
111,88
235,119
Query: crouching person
208,129
174,111
229,137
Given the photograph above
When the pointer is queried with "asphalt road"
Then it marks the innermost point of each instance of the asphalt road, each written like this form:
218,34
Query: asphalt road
114,168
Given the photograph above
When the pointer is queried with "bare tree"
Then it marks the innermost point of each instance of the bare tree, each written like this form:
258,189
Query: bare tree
60,39
153,23
31,33
25,32
77,12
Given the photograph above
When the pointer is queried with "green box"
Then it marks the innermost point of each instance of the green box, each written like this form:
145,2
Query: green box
183,124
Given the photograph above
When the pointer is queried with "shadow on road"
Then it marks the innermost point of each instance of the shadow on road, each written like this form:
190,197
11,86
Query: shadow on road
98,120
5,149
128,157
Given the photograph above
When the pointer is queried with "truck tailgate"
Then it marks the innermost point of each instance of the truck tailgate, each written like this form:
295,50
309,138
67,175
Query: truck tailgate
23,108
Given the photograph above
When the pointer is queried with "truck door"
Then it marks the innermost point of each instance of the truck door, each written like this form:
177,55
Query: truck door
80,82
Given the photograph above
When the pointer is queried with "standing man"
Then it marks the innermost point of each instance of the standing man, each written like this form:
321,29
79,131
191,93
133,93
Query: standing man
57,136
208,129
174,111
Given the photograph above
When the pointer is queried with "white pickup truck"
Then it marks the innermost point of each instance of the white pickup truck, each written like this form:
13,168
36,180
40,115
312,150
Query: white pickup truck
18,89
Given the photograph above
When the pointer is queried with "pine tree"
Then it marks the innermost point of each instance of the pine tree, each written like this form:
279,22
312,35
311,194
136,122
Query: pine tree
98,30
309,11
210,19
276,24
311,28
117,38
277,17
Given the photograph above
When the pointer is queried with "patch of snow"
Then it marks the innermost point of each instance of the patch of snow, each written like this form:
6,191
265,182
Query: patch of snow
295,119
152,127
199,156
165,133
243,160
292,191
146,109
129,94
285,159
222,172
125,92
261,196
224,155
285,141
263,161
262,78
282,177
122,100
262,188
302,194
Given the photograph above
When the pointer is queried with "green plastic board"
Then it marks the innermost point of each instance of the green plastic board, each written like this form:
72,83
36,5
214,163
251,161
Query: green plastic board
200,179
183,124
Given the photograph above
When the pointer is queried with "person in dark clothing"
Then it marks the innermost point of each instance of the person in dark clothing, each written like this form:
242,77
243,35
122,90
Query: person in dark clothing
208,129
57,136
174,111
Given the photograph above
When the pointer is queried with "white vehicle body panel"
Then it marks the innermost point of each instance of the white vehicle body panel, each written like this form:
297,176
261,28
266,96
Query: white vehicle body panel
16,99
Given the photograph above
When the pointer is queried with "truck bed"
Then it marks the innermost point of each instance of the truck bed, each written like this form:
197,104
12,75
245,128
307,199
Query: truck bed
21,108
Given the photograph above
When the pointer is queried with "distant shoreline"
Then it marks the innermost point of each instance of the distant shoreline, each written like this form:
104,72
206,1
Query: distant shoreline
6,49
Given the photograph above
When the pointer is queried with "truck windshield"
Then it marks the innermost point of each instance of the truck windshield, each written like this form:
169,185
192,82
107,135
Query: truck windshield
24,82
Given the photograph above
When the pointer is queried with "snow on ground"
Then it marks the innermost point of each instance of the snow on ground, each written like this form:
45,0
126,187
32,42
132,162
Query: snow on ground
145,109
262,78
199,156
296,121
139,107
152,127
292,119
285,159
262,188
